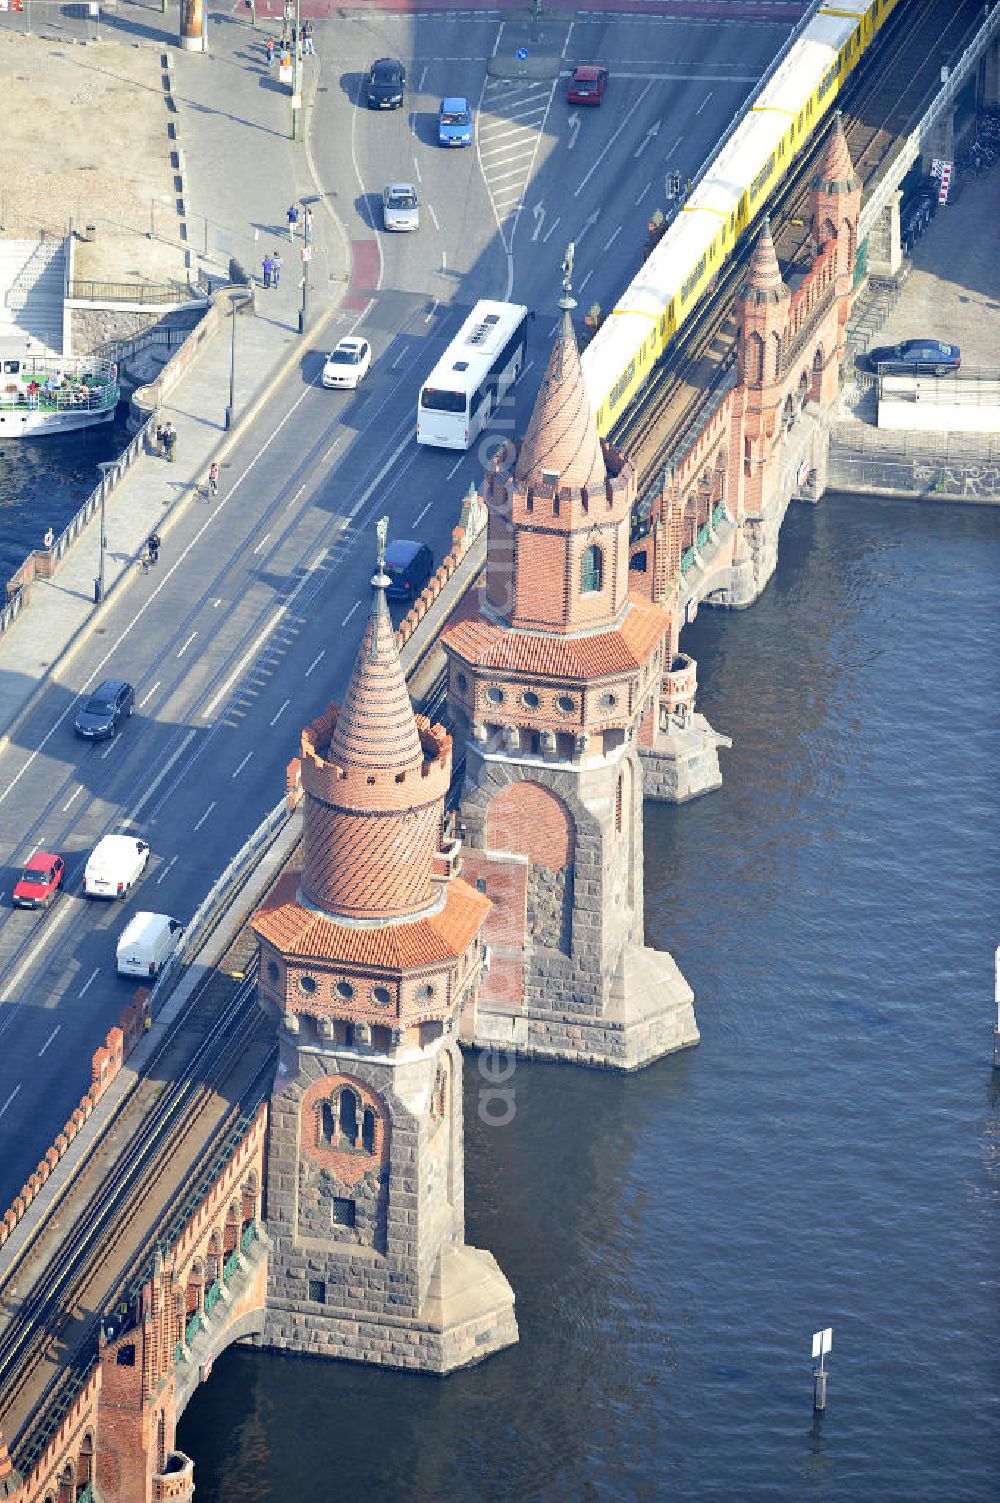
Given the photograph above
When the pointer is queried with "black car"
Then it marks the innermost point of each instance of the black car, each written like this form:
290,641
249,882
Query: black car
110,704
409,566
386,82
915,357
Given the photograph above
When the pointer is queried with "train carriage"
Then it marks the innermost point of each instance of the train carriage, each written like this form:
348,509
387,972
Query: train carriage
787,111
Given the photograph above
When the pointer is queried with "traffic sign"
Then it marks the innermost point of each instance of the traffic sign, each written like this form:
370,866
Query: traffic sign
522,54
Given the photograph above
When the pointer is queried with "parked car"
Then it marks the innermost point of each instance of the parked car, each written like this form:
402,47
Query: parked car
587,84
146,944
348,364
114,866
386,82
39,881
454,122
409,566
400,208
111,702
915,357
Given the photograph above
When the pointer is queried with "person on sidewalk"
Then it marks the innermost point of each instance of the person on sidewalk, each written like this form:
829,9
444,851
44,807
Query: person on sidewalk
158,440
213,479
307,227
307,40
277,262
267,267
269,49
169,440
153,547
48,542
292,215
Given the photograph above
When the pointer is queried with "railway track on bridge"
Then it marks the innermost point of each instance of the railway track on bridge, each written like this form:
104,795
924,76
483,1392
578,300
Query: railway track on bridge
879,106
147,1170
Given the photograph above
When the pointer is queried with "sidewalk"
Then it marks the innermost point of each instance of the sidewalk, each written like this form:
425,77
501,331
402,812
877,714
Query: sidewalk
242,171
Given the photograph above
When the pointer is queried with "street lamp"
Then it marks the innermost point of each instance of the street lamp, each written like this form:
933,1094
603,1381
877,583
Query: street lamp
236,301
296,68
303,311
104,467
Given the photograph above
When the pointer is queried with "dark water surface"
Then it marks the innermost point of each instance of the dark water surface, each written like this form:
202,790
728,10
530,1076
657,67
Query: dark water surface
45,481
827,1156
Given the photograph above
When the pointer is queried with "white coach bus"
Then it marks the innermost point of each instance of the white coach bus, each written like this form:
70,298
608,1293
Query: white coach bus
482,362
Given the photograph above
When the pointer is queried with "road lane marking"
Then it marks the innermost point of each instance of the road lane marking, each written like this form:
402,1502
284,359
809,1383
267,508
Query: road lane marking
261,543
262,637
110,746
550,231
236,771
187,644
10,1098
312,665
72,798
216,603
421,514
430,210
147,697
89,981
642,195
434,308
609,243
49,1040
456,466
585,281
704,103
210,808
160,776
277,717
166,870
444,261
416,168
389,464
599,159
62,913
423,75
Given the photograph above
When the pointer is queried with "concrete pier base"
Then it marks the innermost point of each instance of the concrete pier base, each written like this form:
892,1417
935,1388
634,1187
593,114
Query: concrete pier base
683,762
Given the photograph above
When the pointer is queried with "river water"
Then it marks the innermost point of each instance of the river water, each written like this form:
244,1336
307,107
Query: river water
828,1156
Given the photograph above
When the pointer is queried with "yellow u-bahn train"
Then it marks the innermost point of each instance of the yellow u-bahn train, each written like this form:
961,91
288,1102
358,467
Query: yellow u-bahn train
726,201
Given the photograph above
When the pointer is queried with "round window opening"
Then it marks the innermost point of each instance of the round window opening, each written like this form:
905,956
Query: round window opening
495,694
530,699
345,990
307,984
382,995
566,704
272,970
425,992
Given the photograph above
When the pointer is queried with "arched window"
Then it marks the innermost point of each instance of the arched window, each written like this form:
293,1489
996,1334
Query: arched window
349,1116
618,804
161,1441
591,570
775,343
753,359
368,1130
327,1125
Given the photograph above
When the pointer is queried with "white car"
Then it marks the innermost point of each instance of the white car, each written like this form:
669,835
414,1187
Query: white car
114,866
348,364
400,208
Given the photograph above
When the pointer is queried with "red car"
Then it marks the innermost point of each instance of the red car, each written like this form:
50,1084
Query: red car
39,881
587,84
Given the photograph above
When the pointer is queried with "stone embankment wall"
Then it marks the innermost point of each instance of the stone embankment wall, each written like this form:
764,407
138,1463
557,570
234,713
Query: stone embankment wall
946,467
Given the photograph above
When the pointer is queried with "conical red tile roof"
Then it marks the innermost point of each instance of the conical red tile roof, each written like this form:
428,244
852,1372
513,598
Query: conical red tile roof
376,728
562,435
763,283
838,169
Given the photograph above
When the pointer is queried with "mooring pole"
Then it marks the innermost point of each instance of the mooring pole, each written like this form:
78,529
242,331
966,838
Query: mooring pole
996,997
822,1342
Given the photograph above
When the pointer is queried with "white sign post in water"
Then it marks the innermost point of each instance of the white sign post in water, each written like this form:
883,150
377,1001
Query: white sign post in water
822,1342
996,996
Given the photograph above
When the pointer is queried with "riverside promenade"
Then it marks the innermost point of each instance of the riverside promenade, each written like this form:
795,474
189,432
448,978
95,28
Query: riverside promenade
242,170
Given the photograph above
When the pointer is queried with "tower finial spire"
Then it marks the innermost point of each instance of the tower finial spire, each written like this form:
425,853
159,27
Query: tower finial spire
567,302
379,581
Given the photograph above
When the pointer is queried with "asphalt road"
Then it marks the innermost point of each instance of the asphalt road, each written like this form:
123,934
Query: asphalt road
250,622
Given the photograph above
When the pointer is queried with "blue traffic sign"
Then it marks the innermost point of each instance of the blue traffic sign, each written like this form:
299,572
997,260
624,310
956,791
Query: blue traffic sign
522,54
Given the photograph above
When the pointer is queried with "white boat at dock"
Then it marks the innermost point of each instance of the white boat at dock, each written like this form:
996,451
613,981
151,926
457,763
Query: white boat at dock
41,394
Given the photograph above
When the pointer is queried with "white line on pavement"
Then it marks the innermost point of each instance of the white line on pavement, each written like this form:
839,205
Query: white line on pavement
161,775
208,811
261,543
236,771
45,939
416,168
89,981
49,1040
642,195
456,466
110,746
585,281
704,103
423,75
549,231
148,696
434,308
10,1098
166,870
312,665
72,798
216,603
182,650
350,613
609,243
421,514
430,210
599,159
279,713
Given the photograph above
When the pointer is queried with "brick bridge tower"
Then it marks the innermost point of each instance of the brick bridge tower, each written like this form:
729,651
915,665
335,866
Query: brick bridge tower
550,674
367,957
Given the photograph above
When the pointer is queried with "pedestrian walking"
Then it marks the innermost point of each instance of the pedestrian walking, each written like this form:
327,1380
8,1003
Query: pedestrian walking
267,266
292,215
307,40
158,439
277,262
307,227
213,479
169,440
269,49
153,547
49,539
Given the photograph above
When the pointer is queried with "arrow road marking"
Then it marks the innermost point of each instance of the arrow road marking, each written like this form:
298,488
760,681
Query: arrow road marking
574,129
598,160
588,224
539,214
654,130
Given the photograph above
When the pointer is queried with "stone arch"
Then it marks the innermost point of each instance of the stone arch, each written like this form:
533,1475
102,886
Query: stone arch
231,1234
251,1199
195,1295
343,1186
67,1484
773,361
85,1461
213,1259
591,570
816,382
161,1441
619,793
788,413
753,359
638,561
827,231
802,392
527,819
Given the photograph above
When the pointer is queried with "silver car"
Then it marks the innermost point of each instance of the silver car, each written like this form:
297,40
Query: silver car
400,209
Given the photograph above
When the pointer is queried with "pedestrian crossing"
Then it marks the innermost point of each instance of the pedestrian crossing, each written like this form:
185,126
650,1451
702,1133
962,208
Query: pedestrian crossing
511,123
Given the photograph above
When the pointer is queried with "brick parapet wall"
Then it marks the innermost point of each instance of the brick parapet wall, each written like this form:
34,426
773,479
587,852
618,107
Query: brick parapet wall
105,1065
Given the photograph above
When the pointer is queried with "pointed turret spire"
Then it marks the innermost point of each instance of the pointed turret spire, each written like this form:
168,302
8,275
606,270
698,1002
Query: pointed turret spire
837,173
376,727
763,283
562,435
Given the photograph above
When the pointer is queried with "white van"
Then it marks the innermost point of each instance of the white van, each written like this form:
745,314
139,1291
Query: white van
114,866
147,941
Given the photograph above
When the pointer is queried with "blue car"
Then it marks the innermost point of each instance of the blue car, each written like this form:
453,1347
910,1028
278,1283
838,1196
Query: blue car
454,123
